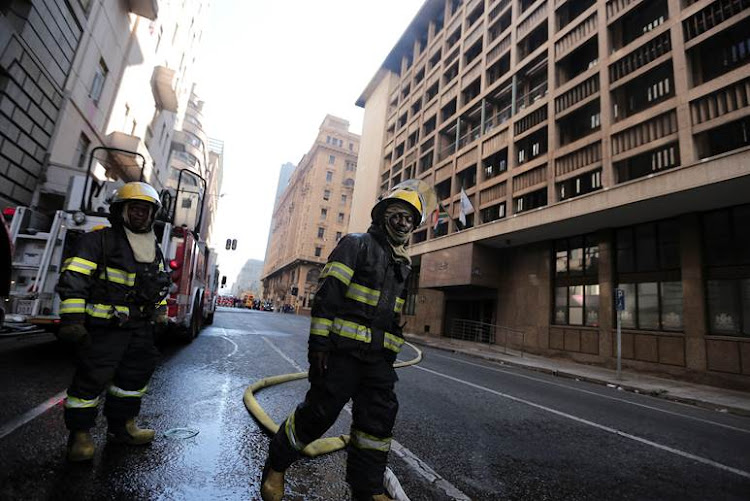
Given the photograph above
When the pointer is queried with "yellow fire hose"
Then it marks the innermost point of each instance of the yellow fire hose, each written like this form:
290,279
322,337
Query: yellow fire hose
322,445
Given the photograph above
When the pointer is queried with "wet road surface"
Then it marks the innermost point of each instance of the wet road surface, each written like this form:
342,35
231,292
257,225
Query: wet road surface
467,429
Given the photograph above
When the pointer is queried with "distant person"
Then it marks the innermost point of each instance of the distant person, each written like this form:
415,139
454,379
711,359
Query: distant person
355,335
113,291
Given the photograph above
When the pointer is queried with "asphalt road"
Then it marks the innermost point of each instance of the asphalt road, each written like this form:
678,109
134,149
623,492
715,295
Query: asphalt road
467,429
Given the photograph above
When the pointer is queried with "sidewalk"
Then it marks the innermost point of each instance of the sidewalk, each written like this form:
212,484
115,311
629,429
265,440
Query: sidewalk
710,397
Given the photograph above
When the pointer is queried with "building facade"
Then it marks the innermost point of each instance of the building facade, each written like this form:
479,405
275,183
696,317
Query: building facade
123,76
38,43
311,216
603,145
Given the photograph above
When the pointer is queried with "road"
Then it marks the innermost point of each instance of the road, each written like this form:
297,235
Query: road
467,429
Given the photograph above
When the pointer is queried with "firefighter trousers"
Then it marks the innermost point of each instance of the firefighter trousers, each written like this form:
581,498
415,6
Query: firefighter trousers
120,360
369,382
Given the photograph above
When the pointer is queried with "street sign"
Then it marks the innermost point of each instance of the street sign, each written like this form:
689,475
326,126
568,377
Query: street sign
620,299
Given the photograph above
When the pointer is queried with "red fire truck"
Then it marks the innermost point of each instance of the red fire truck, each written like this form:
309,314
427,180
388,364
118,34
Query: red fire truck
192,300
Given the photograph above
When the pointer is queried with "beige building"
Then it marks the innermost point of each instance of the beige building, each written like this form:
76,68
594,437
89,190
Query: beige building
311,216
128,84
603,145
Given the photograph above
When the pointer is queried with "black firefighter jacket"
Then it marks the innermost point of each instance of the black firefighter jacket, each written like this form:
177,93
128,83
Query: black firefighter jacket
360,296
103,284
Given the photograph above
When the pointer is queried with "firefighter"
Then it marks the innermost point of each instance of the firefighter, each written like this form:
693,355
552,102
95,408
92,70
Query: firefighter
355,335
112,293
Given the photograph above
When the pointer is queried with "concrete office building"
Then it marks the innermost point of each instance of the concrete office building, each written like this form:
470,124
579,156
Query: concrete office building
603,145
311,216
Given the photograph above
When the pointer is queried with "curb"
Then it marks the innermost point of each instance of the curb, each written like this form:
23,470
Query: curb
657,393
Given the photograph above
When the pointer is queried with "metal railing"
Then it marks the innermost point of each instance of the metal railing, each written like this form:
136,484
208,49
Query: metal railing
508,339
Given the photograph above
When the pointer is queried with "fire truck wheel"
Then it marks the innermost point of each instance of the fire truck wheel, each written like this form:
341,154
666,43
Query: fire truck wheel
209,319
196,320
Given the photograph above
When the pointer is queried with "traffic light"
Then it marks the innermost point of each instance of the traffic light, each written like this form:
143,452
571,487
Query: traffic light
231,244
234,244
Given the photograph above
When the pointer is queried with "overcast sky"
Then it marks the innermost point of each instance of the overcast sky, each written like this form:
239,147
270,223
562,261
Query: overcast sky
269,73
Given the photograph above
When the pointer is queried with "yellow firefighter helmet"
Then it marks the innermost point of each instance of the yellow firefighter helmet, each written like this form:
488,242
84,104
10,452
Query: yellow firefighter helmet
137,191
410,197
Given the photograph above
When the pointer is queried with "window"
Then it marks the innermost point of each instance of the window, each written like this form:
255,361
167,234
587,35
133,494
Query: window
331,159
187,203
321,232
340,218
323,214
326,194
329,176
343,199
351,166
82,149
351,146
576,281
318,251
492,213
338,236
100,76
727,255
647,261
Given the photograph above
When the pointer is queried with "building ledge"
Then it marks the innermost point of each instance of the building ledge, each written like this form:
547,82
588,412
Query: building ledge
129,158
144,8
164,86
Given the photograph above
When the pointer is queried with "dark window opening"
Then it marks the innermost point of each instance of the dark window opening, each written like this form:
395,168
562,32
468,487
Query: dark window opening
475,15
473,52
493,213
725,138
636,23
450,74
443,189
495,164
530,201
580,185
720,54
584,57
582,122
498,69
429,125
570,11
466,179
471,91
643,92
498,27
532,146
650,162
448,110
532,41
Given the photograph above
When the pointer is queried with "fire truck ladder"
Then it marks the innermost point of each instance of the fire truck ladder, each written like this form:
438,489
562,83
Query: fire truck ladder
37,255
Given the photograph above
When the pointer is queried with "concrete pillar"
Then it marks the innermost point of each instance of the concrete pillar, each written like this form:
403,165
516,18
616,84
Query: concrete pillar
693,292
607,283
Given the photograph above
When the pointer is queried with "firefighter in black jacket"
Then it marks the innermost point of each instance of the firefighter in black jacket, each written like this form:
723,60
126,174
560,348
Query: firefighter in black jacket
112,292
355,335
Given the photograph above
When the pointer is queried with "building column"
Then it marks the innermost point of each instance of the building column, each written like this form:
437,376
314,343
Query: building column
607,276
693,292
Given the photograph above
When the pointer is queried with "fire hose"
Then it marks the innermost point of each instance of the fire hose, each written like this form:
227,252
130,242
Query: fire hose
322,445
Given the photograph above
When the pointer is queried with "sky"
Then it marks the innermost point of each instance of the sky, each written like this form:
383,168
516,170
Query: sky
269,73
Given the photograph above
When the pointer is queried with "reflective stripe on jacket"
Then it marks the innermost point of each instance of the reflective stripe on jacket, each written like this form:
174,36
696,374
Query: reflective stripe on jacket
98,282
360,296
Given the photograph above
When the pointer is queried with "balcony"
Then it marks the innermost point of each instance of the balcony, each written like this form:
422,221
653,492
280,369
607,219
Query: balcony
144,8
126,163
164,86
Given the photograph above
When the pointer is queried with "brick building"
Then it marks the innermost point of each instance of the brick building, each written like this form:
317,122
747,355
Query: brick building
311,216
603,144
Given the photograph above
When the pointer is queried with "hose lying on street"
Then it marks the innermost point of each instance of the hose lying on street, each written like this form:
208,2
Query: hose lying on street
322,445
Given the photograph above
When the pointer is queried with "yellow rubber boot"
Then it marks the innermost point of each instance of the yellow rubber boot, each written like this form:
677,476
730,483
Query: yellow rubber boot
131,434
80,446
272,485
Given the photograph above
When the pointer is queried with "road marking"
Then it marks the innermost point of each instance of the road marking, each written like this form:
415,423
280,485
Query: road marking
27,416
608,429
419,466
581,390
235,344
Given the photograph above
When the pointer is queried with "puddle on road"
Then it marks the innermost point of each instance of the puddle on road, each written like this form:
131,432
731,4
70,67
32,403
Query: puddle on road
181,433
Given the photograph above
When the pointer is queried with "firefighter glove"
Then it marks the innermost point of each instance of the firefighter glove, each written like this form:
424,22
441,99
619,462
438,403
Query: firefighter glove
73,334
318,363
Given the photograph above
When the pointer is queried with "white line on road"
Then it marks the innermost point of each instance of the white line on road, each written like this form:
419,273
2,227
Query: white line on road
419,466
581,390
678,452
227,338
24,418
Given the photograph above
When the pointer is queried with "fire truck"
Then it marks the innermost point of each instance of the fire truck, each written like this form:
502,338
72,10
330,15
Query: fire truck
40,243
195,274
